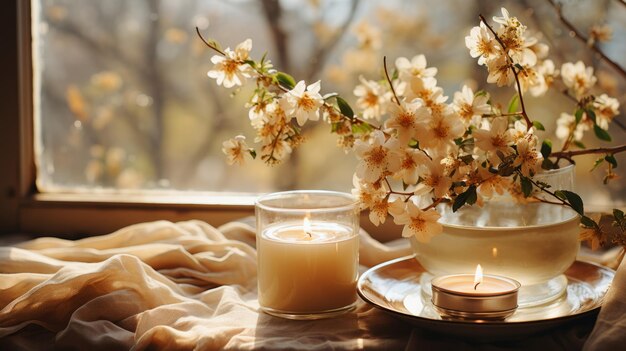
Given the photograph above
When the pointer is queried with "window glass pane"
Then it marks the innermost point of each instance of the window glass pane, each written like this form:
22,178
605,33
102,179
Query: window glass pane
123,100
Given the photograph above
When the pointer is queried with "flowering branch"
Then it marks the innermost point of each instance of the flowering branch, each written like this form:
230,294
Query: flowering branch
566,93
585,40
529,124
459,152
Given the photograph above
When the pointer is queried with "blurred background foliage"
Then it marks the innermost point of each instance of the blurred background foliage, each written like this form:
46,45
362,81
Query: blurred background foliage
123,100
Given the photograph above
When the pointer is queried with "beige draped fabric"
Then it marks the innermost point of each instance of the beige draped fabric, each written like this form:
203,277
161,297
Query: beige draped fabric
188,285
173,286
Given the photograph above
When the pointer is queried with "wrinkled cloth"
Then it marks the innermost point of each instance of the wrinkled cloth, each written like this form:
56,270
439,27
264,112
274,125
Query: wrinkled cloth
173,286
188,285
609,332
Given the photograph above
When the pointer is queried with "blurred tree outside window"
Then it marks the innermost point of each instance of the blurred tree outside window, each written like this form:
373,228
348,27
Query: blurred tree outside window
122,99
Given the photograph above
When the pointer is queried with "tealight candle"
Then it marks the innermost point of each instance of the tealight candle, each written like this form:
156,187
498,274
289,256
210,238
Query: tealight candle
475,296
307,246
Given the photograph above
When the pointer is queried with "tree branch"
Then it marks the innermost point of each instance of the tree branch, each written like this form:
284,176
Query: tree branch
600,150
395,96
322,52
584,39
273,13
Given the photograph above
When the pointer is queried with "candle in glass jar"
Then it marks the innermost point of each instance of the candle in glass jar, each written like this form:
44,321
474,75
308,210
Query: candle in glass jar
307,267
475,296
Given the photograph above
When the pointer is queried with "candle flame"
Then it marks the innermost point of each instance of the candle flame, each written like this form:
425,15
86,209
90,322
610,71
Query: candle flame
307,224
478,276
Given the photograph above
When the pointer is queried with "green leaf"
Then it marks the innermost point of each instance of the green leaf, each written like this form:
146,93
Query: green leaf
579,115
252,153
527,186
469,196
467,159
601,133
285,80
520,67
597,163
573,199
480,93
361,128
588,222
611,159
618,214
620,221
538,125
591,114
547,164
579,144
546,148
344,107
514,104
212,42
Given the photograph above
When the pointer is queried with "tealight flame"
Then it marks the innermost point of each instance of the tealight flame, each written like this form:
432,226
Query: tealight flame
478,276
307,225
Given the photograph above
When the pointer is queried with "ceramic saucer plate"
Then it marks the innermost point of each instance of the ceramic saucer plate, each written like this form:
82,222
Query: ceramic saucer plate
394,286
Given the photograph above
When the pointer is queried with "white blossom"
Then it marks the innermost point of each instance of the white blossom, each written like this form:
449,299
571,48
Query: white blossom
578,77
512,35
469,107
500,71
482,44
425,89
230,70
421,224
376,158
496,138
372,98
277,150
303,102
414,68
442,128
369,37
411,165
527,156
407,120
258,111
606,108
565,124
434,179
546,73
236,150
491,183
367,194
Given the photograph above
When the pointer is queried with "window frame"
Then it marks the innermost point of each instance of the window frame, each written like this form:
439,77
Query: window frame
25,210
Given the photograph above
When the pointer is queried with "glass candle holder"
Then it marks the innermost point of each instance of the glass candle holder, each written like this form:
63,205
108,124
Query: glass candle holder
308,253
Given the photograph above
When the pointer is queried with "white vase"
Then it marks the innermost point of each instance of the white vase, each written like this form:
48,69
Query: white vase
533,243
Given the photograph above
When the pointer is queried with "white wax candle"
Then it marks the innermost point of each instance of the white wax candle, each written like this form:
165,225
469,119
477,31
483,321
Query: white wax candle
464,283
307,270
